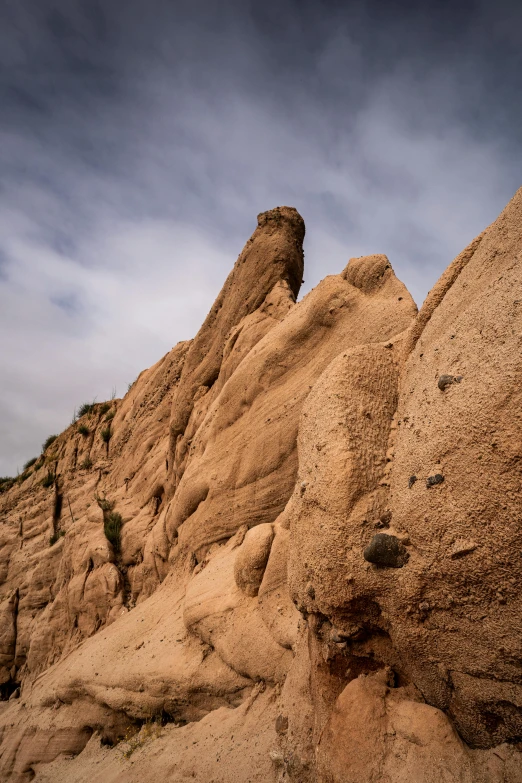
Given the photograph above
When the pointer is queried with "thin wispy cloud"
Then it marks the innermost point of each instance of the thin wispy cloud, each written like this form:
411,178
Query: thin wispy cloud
139,141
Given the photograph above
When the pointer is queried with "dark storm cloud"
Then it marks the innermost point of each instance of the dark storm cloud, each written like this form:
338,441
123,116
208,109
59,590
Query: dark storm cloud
140,139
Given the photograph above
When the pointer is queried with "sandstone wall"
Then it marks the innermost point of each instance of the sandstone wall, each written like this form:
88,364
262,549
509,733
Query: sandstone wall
318,577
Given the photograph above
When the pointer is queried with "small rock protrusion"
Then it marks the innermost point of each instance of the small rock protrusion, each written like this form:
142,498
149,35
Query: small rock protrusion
281,725
432,481
384,520
448,380
386,550
310,591
277,758
411,481
462,547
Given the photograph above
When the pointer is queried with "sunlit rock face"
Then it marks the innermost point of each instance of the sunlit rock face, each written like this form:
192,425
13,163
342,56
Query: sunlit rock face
290,552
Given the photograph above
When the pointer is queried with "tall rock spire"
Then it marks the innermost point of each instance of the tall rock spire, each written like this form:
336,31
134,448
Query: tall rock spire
273,253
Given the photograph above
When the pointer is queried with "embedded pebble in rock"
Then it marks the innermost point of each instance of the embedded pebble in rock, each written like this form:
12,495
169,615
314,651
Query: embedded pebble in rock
448,380
310,591
281,725
386,550
411,481
432,481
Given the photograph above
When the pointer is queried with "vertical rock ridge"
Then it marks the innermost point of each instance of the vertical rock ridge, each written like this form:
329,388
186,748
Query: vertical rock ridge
273,253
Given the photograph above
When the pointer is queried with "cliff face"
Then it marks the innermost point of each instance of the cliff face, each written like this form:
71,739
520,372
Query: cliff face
317,576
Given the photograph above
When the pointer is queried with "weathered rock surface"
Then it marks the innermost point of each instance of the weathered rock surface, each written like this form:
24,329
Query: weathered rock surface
272,256
380,733
466,652
242,464
318,576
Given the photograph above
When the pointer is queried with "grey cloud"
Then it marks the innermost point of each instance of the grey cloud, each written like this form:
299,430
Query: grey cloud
138,143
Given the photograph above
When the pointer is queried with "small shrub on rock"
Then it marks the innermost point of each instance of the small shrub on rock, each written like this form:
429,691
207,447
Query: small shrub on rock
112,528
104,503
48,442
6,482
49,480
85,408
137,737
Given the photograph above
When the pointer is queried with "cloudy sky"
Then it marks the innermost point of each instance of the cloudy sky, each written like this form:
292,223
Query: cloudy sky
140,138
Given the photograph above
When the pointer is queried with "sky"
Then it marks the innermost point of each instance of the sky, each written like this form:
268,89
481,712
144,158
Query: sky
139,139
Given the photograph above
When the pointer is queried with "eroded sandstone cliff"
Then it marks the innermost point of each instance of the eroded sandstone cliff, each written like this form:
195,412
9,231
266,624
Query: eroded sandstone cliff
318,572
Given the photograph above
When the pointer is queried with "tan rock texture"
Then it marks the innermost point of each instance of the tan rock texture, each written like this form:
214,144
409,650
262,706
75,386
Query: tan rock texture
272,256
318,572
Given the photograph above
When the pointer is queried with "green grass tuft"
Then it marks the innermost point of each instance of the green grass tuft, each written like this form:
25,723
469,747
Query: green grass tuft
85,408
83,429
104,503
6,482
49,480
48,442
106,434
112,523
30,463
86,464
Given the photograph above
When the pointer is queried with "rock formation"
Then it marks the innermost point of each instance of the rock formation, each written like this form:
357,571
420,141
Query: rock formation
291,552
